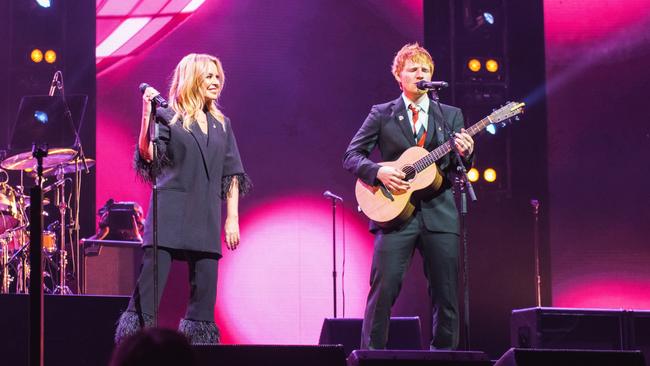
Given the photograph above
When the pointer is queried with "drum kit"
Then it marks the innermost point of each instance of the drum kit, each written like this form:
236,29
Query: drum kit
14,219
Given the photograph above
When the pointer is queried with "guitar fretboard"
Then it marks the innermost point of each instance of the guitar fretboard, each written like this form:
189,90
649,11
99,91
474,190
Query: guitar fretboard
445,148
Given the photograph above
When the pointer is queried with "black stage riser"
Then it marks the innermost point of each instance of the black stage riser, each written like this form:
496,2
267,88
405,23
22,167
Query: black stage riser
270,355
78,329
556,357
404,333
418,358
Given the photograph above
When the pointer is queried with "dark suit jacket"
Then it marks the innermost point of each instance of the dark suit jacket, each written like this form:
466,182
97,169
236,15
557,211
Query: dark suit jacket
388,128
193,171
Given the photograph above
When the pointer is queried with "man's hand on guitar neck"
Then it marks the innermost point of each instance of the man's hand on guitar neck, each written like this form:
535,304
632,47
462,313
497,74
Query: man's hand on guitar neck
464,143
393,179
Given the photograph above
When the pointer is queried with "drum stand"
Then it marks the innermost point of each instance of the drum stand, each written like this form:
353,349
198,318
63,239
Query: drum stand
62,288
6,279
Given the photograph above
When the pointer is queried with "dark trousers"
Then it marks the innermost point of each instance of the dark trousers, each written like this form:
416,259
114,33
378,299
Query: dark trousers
392,256
202,277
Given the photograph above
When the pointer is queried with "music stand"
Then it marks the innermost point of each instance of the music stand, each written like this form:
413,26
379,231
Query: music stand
42,119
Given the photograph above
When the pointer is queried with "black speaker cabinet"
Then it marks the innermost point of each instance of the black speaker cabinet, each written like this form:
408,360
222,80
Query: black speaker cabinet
568,357
110,267
269,355
404,333
417,358
559,328
78,329
639,332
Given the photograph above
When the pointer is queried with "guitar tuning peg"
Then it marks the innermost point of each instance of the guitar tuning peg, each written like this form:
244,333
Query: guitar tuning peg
517,118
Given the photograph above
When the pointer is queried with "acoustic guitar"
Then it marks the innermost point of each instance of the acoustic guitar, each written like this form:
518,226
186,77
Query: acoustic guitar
419,166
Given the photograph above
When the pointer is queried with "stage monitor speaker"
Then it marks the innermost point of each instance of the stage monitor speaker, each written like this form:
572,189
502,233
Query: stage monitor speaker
269,355
559,328
110,267
404,333
417,358
569,357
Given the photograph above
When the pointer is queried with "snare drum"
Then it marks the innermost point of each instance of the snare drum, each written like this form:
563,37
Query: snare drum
49,242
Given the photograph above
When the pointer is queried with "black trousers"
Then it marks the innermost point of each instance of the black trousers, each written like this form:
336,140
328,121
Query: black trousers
202,276
393,251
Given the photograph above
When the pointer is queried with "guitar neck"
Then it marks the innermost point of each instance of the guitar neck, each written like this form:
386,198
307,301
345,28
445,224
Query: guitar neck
445,148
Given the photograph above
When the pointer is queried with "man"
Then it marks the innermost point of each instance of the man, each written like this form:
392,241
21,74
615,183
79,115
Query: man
412,119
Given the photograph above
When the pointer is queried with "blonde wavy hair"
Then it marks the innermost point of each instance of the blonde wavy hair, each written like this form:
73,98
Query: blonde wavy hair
413,52
187,94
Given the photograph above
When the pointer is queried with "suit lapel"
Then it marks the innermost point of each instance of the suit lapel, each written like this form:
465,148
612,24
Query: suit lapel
200,138
400,117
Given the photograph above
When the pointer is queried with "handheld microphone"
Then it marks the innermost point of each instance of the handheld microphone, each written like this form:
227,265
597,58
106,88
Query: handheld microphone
158,99
55,82
426,85
331,195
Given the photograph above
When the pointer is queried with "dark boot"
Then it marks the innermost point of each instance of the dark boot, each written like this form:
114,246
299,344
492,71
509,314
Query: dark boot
130,323
199,332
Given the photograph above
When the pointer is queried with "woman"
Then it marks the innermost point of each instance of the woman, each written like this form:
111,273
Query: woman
198,165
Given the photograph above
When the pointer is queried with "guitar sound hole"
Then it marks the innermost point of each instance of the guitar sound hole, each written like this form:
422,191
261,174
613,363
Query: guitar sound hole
409,171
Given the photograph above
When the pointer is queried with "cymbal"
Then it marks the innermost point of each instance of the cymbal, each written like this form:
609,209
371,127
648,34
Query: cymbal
67,167
27,201
25,161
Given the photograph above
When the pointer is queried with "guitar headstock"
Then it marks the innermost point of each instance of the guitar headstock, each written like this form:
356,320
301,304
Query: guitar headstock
508,111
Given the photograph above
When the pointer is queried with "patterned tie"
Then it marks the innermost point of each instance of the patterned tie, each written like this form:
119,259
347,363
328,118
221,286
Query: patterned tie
422,133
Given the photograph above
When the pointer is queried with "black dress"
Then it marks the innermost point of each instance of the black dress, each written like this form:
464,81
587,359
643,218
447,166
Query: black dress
194,173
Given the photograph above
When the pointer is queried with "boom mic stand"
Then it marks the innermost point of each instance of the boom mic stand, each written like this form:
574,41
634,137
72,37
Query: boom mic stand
74,215
463,186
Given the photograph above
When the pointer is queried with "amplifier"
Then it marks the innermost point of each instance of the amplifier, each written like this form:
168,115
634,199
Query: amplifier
110,267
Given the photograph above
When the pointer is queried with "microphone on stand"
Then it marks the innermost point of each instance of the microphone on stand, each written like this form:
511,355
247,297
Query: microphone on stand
426,85
55,83
158,99
328,194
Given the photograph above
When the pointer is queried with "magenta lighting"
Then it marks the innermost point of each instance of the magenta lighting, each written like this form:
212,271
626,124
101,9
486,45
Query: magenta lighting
126,27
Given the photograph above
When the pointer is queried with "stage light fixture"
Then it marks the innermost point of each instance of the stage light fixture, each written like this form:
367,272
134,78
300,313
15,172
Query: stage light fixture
488,18
491,65
41,117
490,175
44,3
483,21
50,56
36,55
474,65
473,175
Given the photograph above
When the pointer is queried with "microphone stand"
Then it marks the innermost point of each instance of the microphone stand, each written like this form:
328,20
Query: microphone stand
36,319
154,135
464,187
74,216
334,251
538,278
